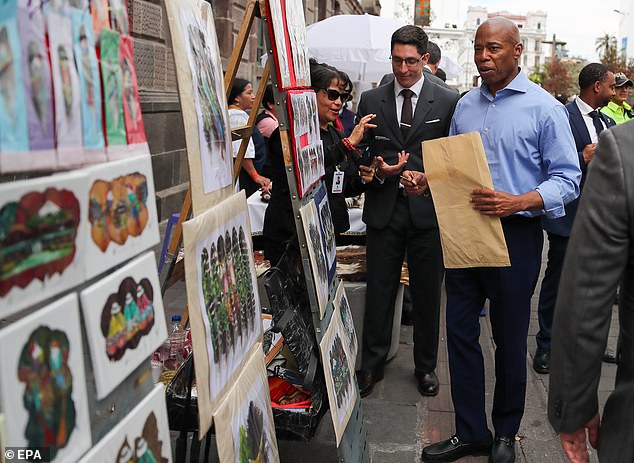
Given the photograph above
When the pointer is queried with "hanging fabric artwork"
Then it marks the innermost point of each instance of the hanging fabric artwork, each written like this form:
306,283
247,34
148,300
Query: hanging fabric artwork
14,135
70,151
113,94
119,16
89,86
99,12
135,130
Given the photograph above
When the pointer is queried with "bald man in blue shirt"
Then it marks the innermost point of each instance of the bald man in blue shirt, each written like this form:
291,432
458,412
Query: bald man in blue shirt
535,169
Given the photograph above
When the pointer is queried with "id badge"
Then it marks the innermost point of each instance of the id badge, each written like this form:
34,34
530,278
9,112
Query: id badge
337,182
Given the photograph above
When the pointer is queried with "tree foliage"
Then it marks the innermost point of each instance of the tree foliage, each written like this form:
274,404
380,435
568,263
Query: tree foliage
558,79
609,54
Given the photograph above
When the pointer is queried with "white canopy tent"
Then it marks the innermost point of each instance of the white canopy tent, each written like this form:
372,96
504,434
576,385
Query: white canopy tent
356,44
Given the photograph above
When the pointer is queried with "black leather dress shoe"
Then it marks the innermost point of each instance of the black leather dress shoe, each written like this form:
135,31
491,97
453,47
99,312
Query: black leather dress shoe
427,383
367,380
503,450
541,361
452,449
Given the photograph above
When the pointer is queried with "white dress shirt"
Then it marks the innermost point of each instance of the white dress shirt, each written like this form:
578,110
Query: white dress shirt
586,109
416,88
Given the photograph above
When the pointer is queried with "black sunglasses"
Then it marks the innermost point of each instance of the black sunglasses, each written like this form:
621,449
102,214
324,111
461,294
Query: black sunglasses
334,94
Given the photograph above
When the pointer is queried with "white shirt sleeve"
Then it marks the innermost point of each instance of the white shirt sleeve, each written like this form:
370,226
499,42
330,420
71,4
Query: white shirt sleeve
239,118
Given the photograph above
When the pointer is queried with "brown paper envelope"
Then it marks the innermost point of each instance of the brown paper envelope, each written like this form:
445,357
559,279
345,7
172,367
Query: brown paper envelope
454,167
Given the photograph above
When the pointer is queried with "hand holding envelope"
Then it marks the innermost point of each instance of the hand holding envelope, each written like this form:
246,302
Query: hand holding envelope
457,172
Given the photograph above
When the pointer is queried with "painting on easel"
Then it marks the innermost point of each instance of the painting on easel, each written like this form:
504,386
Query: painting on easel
203,100
224,306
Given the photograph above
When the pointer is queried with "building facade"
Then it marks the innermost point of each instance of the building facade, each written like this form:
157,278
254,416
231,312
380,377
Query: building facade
626,29
456,41
157,79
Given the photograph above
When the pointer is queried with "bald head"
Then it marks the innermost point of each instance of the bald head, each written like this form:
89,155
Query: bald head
497,50
503,28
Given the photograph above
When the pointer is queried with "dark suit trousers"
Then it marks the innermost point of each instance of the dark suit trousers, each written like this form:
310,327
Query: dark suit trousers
385,252
548,294
509,290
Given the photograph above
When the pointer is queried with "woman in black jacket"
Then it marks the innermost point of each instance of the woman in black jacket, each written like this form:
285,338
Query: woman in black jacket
340,154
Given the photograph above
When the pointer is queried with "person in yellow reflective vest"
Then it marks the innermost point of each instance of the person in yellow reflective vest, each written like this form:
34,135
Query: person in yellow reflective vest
618,109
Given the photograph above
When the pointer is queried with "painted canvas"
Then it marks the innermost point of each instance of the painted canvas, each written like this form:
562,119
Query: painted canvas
43,226
296,27
119,16
14,135
224,306
122,213
244,422
124,318
43,382
339,374
342,308
68,121
38,90
135,130
203,100
99,13
112,89
283,58
327,231
141,437
89,85
312,232
307,148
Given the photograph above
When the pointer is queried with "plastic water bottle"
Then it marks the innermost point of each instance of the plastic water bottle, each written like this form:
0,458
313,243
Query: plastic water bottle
176,343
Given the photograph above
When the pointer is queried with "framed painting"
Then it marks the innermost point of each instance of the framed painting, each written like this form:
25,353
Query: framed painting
327,230
14,133
296,29
312,232
339,373
282,56
68,128
342,308
43,383
38,102
122,213
307,148
244,422
203,101
43,228
89,86
135,130
224,306
125,321
113,94
143,436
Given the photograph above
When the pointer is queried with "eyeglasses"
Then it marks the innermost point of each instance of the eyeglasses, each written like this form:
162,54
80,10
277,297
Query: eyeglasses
410,62
334,94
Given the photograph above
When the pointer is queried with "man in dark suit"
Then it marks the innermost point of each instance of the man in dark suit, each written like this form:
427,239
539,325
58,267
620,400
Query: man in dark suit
600,253
408,110
596,85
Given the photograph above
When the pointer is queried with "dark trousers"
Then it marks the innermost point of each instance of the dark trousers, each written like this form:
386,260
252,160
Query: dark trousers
509,290
385,252
548,294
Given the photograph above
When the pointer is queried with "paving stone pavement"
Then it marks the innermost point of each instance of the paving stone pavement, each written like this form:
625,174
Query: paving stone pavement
400,422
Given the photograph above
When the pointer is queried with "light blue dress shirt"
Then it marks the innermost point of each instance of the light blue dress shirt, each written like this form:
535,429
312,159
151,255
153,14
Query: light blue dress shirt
527,141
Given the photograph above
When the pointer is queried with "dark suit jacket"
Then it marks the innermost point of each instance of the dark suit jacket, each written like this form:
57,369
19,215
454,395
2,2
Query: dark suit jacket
599,253
432,117
563,225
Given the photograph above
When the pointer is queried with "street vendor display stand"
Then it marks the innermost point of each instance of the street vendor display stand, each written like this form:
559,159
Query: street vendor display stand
291,81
